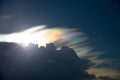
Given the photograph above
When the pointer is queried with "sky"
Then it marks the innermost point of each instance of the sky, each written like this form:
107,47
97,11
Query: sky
98,19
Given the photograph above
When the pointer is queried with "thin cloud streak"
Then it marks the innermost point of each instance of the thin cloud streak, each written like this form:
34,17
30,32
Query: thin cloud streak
5,17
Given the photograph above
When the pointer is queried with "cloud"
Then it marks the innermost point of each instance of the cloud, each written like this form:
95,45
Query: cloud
42,35
5,17
103,66
104,72
79,41
46,63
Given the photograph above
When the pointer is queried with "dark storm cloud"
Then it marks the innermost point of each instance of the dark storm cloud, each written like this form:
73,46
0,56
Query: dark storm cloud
46,63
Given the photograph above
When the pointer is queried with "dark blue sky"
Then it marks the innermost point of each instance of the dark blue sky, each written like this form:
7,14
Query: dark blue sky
100,19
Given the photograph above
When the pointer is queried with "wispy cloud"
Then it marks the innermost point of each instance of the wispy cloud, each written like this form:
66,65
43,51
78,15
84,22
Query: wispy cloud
102,67
104,72
5,17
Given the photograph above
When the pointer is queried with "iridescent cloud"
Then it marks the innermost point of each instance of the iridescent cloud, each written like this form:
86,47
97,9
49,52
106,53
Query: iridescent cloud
42,35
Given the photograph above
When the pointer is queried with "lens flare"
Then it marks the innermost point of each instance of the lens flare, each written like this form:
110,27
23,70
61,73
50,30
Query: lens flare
42,35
